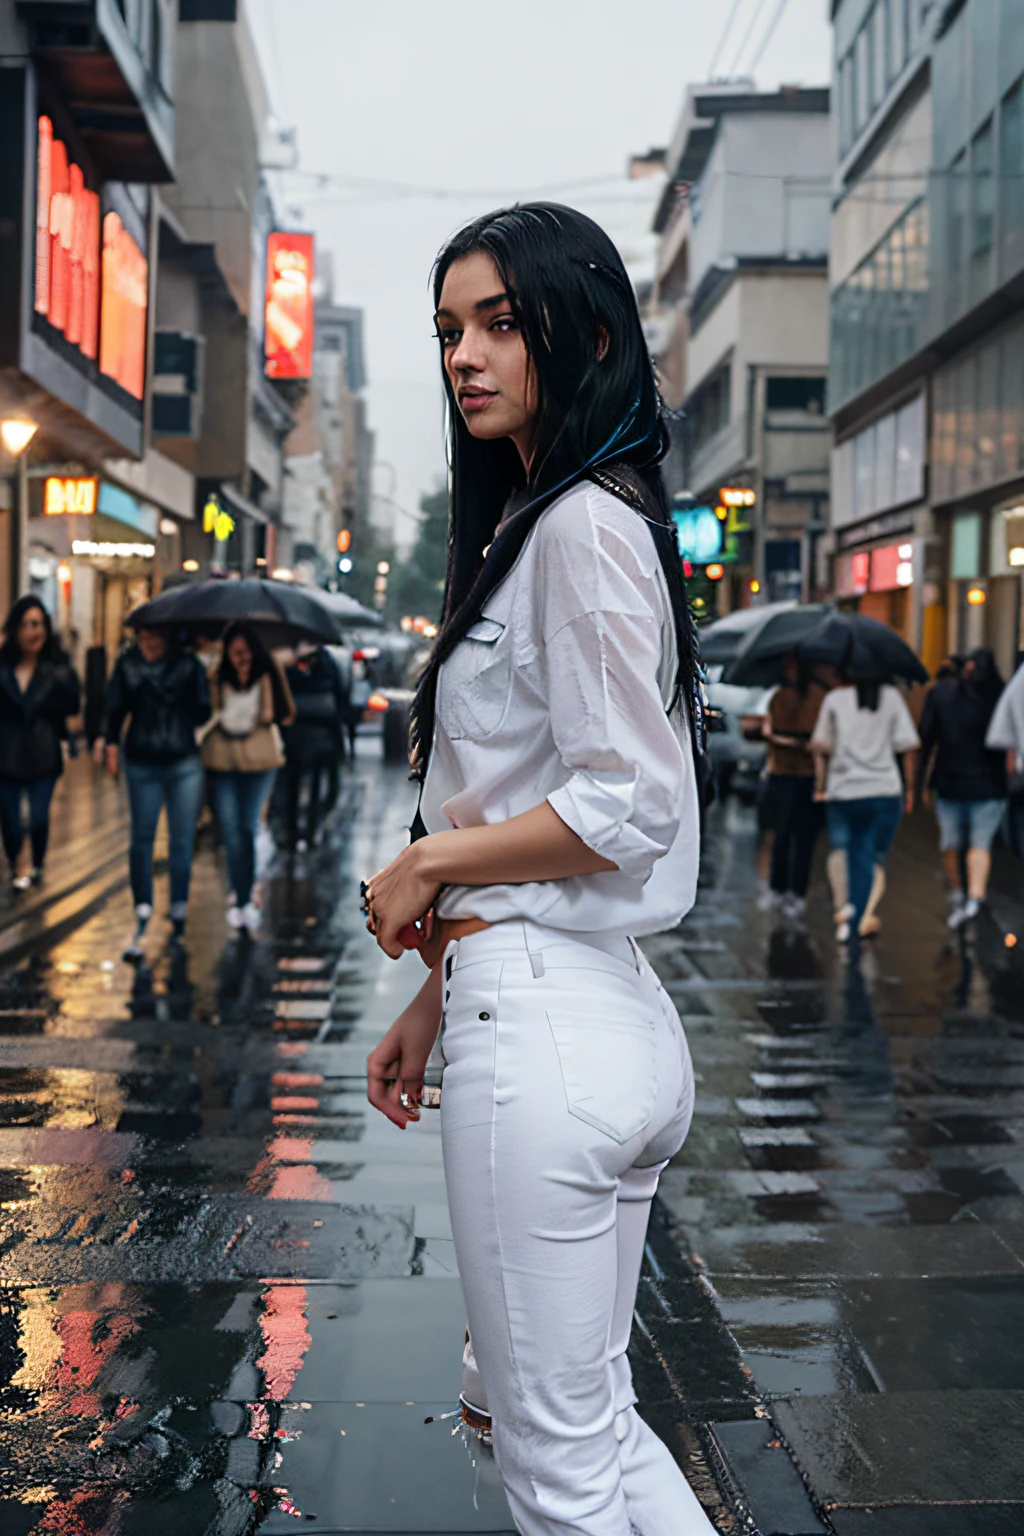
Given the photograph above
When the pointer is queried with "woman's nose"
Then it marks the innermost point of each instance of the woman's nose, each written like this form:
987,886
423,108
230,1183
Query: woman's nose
467,354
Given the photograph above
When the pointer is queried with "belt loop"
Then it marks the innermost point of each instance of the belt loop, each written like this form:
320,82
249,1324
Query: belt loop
536,959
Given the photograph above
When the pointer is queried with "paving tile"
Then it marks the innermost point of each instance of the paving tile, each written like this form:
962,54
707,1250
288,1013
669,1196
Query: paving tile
767,1479
917,1447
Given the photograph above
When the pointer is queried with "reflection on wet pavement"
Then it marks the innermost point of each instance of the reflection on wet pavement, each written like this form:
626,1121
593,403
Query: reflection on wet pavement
852,1193
228,1290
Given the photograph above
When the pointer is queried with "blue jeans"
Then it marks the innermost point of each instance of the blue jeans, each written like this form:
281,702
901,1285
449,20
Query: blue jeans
238,801
864,829
179,786
968,823
39,793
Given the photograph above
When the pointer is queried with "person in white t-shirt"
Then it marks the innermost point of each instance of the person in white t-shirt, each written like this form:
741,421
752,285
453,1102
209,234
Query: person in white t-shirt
863,730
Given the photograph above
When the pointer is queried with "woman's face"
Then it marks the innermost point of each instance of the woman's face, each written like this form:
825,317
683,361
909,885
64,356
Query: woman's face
485,356
240,657
152,644
31,632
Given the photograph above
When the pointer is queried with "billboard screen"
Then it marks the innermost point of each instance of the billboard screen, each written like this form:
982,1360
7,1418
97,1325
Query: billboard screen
67,275
288,318
123,309
699,534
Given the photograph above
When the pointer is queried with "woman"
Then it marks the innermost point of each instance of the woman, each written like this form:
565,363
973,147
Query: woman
242,753
161,691
553,733
792,715
864,728
314,744
38,691
967,777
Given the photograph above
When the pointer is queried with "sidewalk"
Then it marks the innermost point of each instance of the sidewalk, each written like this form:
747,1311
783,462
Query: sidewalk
87,859
852,1196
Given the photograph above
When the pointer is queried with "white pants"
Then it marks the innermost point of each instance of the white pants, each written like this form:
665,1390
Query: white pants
568,1086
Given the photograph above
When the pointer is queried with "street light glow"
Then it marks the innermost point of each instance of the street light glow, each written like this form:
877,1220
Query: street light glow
17,432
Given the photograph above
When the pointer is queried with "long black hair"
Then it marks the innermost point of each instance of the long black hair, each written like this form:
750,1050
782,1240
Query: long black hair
600,417
263,665
10,651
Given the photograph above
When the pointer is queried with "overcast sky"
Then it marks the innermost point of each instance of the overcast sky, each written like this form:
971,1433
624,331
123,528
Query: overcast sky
428,112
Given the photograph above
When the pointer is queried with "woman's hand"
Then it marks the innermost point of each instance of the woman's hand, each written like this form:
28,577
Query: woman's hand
397,1065
113,759
399,896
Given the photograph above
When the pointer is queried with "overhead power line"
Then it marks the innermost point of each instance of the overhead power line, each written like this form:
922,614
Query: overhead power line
723,39
766,39
741,50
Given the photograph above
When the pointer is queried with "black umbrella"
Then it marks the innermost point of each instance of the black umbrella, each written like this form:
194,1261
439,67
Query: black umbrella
864,648
282,612
758,662
721,639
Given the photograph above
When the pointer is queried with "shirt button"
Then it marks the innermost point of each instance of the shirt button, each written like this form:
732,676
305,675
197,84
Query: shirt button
485,1015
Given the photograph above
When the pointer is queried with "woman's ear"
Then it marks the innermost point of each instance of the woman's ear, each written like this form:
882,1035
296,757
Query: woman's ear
603,343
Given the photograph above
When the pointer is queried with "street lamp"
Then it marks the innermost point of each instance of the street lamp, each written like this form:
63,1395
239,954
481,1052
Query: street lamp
16,432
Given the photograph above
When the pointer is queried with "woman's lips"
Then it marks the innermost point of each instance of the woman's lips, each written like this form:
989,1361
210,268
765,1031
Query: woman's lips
477,401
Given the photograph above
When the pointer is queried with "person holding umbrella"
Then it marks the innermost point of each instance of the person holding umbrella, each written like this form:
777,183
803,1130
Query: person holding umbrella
863,731
160,690
314,743
242,752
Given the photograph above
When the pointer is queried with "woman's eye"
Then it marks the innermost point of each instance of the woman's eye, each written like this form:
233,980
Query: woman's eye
448,338
504,323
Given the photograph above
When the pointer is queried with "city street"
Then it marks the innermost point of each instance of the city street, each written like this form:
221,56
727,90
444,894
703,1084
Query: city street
229,1294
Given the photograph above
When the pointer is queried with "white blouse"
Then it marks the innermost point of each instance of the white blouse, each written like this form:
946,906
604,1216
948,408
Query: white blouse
559,692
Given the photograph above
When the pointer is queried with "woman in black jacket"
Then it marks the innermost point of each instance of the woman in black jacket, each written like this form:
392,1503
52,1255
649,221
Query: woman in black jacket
968,780
38,691
164,692
313,743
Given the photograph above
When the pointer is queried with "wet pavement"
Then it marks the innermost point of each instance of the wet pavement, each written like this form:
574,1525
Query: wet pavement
228,1296
852,1194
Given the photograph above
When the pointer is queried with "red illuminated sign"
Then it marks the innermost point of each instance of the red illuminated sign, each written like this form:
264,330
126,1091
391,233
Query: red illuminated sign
67,288
123,312
288,318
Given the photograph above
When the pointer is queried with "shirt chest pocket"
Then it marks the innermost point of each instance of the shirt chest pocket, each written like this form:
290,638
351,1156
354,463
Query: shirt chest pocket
476,681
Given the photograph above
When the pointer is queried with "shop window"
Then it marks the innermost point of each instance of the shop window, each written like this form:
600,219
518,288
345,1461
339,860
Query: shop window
709,407
862,58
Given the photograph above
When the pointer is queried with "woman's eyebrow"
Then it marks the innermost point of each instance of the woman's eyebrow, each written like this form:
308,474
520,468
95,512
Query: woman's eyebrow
478,309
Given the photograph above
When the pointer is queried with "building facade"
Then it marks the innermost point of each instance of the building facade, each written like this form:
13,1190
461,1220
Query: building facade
738,325
927,314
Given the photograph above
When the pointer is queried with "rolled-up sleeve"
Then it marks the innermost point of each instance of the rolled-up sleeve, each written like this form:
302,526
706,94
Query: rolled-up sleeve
624,757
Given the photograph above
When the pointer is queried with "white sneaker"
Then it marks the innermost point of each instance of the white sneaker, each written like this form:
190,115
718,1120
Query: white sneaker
252,917
843,933
794,908
236,917
956,909
302,846
22,882
972,908
769,901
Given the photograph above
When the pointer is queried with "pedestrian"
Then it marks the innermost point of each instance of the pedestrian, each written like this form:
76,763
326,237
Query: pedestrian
967,777
242,752
553,732
1006,734
38,692
160,689
863,731
792,715
314,744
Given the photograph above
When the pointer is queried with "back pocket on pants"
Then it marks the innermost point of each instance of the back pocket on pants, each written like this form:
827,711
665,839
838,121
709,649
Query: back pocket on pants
609,1071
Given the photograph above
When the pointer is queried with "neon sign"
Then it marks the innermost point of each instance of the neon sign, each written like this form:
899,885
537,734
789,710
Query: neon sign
288,316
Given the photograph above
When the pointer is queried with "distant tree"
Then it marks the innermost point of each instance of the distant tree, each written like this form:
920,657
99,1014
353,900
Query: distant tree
417,587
